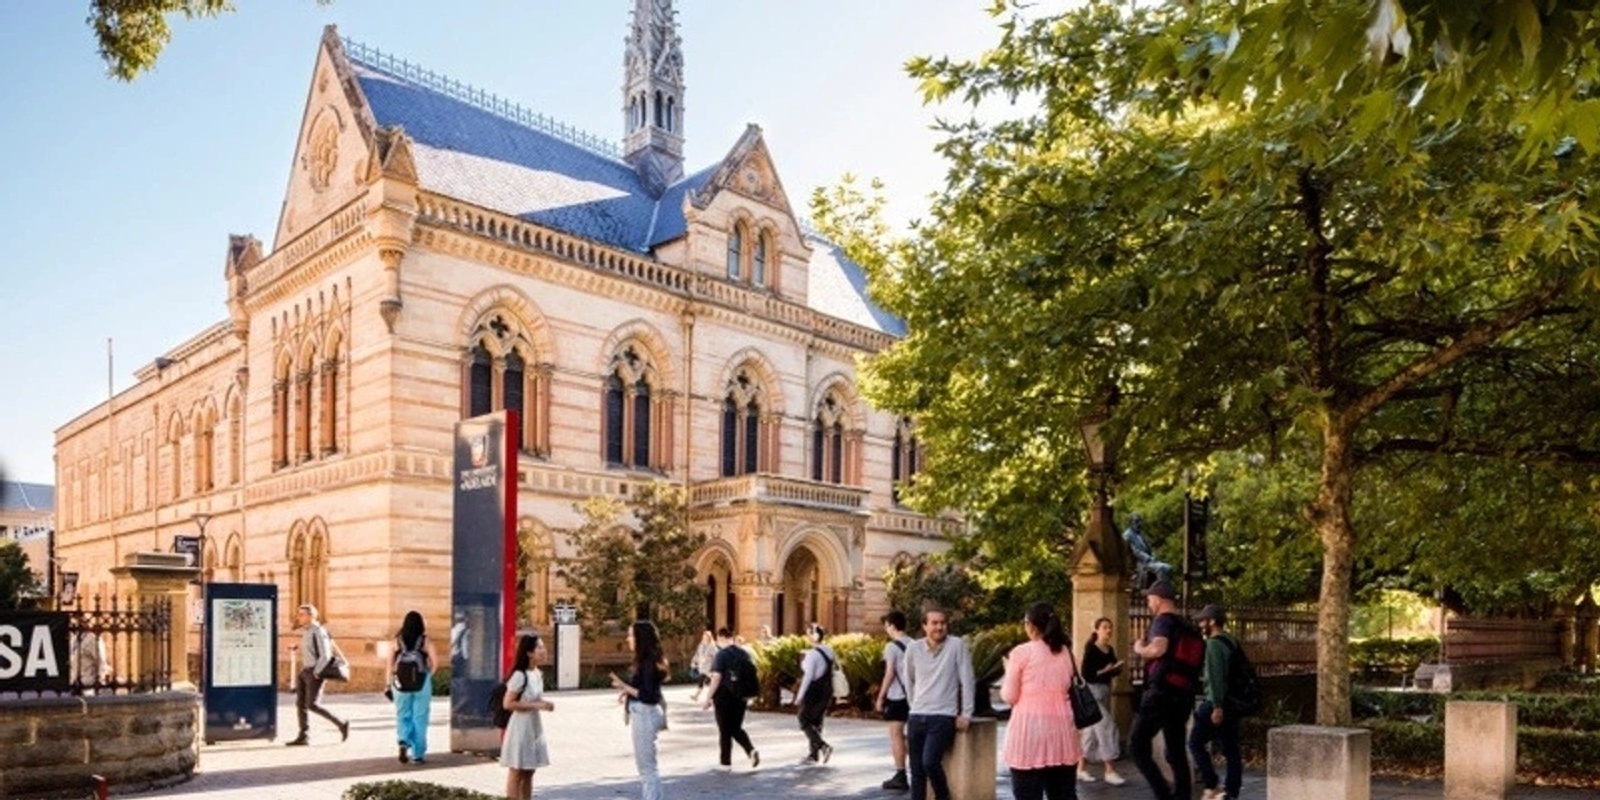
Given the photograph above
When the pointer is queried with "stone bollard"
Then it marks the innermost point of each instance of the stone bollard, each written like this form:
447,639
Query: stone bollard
1310,762
1480,750
970,764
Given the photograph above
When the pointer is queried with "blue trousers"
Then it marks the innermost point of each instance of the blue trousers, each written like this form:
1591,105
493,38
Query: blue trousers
928,738
411,719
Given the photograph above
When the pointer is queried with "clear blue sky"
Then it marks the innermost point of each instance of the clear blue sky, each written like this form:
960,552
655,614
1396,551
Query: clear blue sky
118,198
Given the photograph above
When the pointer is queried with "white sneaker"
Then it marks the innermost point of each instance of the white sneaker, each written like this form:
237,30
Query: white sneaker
1114,779
1085,777
1212,794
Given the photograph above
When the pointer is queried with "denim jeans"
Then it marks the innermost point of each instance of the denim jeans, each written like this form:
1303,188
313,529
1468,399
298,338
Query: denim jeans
928,738
411,719
1226,736
1167,714
646,723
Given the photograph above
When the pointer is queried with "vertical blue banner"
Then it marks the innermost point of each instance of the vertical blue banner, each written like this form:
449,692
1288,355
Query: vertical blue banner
241,664
483,574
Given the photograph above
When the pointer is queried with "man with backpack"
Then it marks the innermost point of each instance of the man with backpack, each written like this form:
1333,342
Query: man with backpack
1225,701
733,683
1174,655
892,702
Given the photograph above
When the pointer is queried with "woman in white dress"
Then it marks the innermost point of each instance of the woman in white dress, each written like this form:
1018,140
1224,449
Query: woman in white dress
524,749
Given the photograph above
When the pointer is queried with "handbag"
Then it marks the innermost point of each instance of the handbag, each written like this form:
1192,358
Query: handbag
1085,709
338,668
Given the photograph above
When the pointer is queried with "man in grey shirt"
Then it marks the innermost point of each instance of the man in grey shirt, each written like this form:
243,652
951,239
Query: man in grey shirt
938,678
316,647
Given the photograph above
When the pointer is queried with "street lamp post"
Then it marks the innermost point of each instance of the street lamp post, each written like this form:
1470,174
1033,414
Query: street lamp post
200,519
1101,535
1099,564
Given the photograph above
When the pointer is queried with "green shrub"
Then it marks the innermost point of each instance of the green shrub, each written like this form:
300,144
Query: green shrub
1572,712
861,657
1393,655
778,664
989,648
1570,757
440,678
412,790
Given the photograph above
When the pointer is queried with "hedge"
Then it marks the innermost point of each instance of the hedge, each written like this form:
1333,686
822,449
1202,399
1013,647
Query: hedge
1393,655
412,790
1569,712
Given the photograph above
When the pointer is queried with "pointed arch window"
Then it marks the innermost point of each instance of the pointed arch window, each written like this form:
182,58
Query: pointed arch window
235,440
747,436
660,123
736,251
637,416
303,404
328,413
280,415
828,441
205,452
500,372
175,448
758,261
906,460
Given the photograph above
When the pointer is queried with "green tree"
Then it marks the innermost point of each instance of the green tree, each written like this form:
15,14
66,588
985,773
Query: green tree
19,584
132,33
625,574
1346,286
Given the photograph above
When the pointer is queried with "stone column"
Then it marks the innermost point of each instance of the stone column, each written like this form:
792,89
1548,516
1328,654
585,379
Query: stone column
1480,750
153,576
1100,586
1308,762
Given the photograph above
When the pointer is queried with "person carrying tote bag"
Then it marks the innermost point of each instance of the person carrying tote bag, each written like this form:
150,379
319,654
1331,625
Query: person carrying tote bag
320,654
1042,748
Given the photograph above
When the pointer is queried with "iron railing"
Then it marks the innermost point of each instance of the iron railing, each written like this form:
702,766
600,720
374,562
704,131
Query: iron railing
121,645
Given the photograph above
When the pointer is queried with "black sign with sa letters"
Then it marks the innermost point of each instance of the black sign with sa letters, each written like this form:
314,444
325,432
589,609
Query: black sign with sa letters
33,651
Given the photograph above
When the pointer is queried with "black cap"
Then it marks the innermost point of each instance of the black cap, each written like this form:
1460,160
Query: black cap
1212,612
1163,590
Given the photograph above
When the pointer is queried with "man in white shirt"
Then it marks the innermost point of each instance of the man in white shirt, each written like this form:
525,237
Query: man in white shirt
940,684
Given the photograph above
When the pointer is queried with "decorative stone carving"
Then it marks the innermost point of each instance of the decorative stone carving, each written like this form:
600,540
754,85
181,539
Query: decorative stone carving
322,150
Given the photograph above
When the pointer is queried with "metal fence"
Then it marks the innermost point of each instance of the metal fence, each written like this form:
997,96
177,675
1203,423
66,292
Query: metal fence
1280,641
121,645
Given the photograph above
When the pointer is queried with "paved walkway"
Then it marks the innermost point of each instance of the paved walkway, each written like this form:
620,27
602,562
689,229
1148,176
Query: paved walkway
593,759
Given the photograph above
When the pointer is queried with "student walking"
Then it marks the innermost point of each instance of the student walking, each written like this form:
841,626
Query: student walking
524,749
700,668
408,674
940,684
1173,652
816,694
317,648
641,696
1214,719
891,702
1041,748
729,671
1101,741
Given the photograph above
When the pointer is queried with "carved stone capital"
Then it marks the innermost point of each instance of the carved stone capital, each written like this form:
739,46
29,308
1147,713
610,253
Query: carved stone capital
391,253
390,310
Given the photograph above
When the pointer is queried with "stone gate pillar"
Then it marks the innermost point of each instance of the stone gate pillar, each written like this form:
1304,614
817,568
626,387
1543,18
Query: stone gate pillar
1100,586
153,576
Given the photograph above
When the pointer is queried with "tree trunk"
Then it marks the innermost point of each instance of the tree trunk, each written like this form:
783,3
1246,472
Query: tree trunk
1329,513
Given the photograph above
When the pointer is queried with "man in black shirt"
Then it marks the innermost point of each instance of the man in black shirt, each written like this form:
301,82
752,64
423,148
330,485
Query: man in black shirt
729,704
1163,708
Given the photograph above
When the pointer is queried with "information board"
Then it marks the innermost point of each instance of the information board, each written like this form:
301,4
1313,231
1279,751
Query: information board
241,664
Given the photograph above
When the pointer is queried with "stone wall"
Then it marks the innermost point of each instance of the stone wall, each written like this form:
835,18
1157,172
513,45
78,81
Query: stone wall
135,741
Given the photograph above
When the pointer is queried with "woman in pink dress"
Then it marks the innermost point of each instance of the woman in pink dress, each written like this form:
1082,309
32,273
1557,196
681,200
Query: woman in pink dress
1042,747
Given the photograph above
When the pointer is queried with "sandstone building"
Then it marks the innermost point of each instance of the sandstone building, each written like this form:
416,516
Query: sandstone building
442,253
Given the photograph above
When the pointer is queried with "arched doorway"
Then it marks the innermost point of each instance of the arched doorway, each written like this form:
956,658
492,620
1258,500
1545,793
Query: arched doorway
722,605
811,590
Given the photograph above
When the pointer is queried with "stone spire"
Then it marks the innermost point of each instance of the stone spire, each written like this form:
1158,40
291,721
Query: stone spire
652,95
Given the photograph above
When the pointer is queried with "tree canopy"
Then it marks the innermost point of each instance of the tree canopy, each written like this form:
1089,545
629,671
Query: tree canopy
19,584
1197,219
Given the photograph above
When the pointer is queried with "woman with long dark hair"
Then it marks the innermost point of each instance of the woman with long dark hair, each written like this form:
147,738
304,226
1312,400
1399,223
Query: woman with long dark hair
641,696
1102,740
1042,746
407,675
524,748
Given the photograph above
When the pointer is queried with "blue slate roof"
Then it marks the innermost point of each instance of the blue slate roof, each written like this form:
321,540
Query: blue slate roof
15,495
483,150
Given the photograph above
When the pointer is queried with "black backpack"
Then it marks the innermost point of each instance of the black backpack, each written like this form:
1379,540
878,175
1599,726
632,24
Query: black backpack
1244,688
497,704
741,679
410,666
